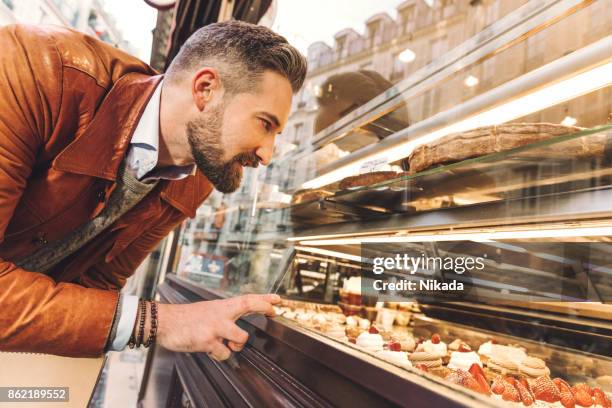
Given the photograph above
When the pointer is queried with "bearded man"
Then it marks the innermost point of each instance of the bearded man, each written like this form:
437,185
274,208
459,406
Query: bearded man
101,157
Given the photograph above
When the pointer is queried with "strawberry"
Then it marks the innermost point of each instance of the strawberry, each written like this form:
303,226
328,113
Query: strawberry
584,387
422,367
498,386
525,384
510,392
464,348
524,393
567,397
601,398
511,380
583,398
483,383
435,339
545,390
373,330
395,347
475,368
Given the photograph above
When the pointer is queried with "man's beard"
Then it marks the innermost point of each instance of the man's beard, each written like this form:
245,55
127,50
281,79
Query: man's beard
204,136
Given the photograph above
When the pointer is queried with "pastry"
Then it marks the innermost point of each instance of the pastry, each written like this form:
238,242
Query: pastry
407,344
370,340
364,324
533,367
432,362
336,331
395,355
454,345
485,350
352,321
353,331
436,346
291,315
463,360
505,360
485,140
301,196
367,179
337,318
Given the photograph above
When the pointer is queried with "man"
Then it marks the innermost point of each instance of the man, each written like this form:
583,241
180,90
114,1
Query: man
100,158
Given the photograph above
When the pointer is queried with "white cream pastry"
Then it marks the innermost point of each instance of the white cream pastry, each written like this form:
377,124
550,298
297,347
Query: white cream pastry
399,358
352,321
439,349
337,332
337,318
319,318
463,360
370,341
486,349
304,317
364,324
290,315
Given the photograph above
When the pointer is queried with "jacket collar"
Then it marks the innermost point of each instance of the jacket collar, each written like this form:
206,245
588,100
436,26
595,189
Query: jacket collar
98,152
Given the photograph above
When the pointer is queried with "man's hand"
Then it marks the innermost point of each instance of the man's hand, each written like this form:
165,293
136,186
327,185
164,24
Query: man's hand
205,326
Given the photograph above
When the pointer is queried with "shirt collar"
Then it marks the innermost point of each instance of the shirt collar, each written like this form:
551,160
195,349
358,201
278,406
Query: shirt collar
144,146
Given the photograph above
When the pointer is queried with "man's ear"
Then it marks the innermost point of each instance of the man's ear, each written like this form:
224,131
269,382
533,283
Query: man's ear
204,85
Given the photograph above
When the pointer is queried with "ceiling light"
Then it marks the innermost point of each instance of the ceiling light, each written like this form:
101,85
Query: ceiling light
407,55
569,121
471,81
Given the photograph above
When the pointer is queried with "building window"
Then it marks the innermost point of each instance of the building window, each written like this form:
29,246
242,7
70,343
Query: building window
374,33
407,16
340,47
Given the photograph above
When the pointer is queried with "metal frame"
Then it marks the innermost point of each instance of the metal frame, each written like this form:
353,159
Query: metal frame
587,205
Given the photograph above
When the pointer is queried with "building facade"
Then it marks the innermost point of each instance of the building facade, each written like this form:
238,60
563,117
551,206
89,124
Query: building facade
88,16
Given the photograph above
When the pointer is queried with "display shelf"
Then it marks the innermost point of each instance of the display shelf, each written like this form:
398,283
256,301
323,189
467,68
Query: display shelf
537,169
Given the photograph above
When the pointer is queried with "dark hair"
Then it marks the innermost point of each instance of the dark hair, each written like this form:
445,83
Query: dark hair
241,52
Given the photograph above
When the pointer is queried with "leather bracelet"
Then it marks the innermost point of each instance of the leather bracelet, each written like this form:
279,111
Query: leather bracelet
153,331
141,325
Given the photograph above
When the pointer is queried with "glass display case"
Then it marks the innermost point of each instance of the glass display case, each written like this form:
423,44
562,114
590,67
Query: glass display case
459,130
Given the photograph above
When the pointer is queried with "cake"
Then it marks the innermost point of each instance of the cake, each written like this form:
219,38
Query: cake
463,360
491,139
370,340
395,355
429,361
435,346
485,350
367,179
505,360
336,331
533,367
302,196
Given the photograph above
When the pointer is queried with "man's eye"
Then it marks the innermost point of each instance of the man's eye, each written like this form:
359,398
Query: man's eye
267,125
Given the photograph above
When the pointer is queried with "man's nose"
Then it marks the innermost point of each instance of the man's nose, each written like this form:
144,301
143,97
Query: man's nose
265,152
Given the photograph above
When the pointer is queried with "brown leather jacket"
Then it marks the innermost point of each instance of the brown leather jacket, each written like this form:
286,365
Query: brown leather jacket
68,107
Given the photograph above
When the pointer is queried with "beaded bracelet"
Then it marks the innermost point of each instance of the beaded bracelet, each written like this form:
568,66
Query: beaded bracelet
141,325
153,331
